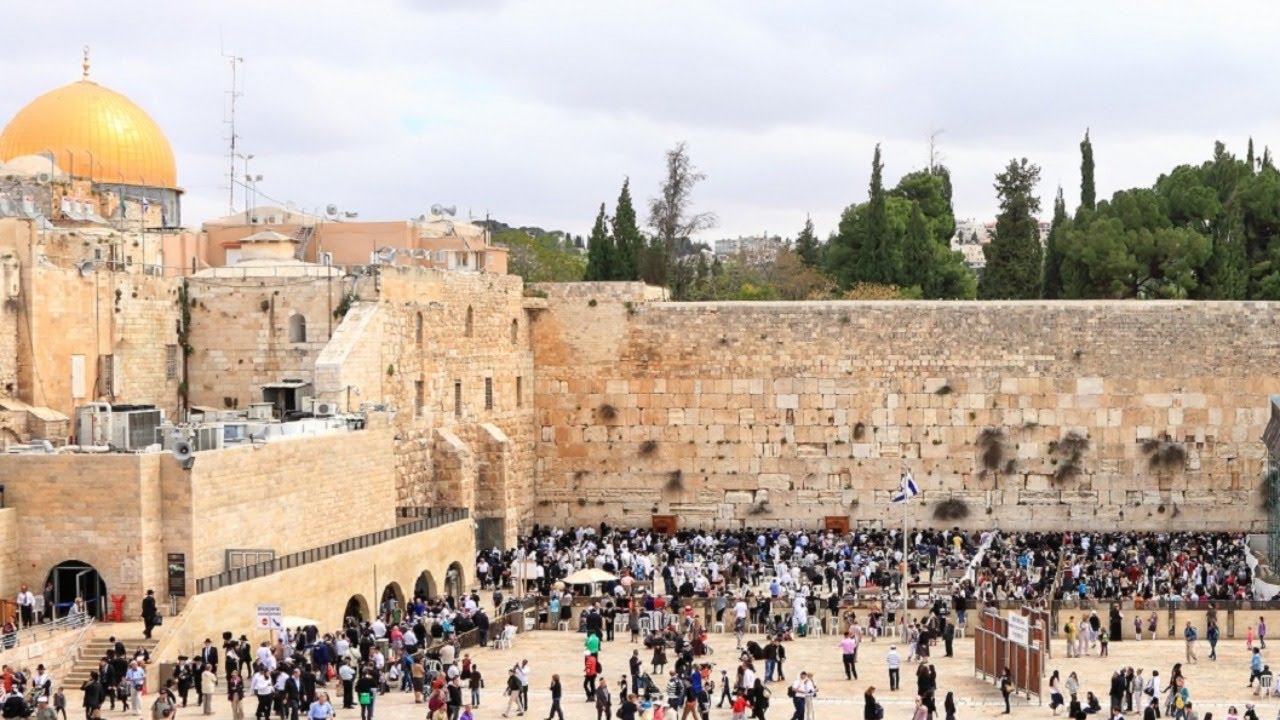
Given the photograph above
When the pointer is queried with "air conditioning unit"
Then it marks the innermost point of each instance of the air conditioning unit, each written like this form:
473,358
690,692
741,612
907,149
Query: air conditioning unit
93,424
207,437
321,408
261,411
44,178
133,430
168,434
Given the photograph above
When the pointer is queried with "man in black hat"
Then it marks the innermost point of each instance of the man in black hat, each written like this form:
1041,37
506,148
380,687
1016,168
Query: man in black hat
148,613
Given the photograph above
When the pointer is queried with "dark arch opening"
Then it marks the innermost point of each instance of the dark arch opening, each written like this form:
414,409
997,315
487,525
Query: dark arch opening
455,581
425,586
391,604
73,579
357,609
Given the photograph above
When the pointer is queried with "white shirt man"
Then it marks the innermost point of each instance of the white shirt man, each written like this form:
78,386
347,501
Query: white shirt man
379,628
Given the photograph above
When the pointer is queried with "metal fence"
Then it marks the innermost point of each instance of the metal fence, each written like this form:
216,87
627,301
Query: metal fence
434,519
38,632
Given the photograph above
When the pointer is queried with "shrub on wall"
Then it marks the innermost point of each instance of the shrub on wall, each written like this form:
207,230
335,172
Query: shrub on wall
951,509
991,443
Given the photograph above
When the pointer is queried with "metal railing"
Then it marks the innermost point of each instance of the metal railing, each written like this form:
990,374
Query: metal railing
37,632
439,516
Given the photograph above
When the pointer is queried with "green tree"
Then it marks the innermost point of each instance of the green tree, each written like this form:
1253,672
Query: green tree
917,252
1052,251
1088,193
540,258
1130,249
627,240
807,245
881,260
600,250
1014,254
673,221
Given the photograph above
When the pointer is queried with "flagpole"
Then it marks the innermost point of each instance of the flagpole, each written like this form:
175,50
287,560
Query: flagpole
902,590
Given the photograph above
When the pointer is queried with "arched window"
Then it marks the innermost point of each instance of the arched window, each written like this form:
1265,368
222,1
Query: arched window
417,329
297,328
470,321
515,331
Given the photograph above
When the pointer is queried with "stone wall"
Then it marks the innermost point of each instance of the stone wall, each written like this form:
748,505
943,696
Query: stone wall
1040,414
103,510
320,590
289,495
56,651
414,350
240,334
64,314
9,550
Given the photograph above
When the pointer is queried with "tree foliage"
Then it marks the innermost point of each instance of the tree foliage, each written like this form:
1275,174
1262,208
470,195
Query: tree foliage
807,246
601,257
1014,255
627,240
1088,191
541,257
1052,287
674,222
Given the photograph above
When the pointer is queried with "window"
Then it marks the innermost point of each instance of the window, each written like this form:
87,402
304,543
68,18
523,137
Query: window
470,321
457,398
170,362
107,375
419,397
417,329
488,393
297,328
515,331
77,377
519,391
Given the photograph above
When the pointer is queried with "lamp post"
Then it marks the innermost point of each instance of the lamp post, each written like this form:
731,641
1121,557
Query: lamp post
246,159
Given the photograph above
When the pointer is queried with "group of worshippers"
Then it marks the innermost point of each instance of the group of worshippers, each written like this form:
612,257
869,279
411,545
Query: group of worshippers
1175,567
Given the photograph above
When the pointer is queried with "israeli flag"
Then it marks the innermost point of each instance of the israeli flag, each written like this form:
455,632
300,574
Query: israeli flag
906,489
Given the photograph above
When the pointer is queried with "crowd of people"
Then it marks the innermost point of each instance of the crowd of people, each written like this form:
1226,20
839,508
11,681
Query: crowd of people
1177,567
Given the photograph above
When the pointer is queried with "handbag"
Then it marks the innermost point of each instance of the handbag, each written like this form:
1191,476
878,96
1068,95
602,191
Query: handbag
366,698
159,620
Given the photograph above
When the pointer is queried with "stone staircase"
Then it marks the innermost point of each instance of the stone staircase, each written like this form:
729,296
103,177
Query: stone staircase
95,649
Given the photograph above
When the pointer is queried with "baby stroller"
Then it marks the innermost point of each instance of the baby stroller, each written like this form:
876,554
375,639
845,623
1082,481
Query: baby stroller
15,706
648,688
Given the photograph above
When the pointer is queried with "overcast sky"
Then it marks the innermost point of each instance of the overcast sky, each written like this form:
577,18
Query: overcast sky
534,111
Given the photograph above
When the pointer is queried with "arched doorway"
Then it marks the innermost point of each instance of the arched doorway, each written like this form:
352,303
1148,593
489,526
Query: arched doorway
357,609
455,582
75,579
425,586
391,604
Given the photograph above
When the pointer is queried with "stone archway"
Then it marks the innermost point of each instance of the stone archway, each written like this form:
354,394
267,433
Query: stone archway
72,580
455,580
357,609
425,586
392,602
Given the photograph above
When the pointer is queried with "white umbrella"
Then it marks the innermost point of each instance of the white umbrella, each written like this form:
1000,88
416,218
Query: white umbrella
293,622
589,576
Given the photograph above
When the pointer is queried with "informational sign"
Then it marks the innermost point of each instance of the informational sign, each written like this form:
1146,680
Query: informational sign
1019,630
177,575
270,617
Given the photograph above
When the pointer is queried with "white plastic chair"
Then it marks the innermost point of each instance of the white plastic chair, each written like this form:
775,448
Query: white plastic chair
718,627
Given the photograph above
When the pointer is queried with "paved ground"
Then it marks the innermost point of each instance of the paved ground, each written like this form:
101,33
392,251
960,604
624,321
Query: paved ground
1213,685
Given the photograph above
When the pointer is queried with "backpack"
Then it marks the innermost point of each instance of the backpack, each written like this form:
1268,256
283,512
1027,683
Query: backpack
879,711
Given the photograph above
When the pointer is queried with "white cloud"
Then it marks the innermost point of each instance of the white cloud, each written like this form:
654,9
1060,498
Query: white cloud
534,111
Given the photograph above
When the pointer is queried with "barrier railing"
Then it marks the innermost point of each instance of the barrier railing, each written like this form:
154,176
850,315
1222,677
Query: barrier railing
440,516
36,632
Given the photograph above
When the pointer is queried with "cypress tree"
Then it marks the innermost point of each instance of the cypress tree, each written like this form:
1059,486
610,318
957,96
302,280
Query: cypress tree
1053,249
1014,255
1088,194
879,252
1248,158
627,241
917,251
600,251
807,244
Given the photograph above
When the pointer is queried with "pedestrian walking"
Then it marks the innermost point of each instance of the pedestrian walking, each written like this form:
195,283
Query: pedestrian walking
849,654
894,661
1190,634
556,692
1006,688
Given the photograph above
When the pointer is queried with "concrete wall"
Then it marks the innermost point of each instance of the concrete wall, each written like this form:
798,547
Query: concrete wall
728,414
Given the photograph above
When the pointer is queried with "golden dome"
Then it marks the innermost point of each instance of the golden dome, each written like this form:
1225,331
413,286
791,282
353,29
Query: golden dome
93,133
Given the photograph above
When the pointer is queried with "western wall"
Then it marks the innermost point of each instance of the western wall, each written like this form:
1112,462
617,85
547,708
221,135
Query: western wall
1031,415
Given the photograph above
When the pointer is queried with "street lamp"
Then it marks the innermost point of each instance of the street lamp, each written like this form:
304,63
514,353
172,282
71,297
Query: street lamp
246,159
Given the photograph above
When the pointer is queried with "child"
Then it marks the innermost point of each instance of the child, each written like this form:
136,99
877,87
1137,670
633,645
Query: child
1103,638
466,713
60,703
740,706
1248,640
1137,626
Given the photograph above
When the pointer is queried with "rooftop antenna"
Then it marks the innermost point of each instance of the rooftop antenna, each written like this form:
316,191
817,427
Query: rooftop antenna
85,65
230,120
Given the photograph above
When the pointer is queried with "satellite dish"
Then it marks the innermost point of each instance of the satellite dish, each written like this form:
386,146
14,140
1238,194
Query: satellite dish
450,210
86,267
437,209
182,451
386,254
331,209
